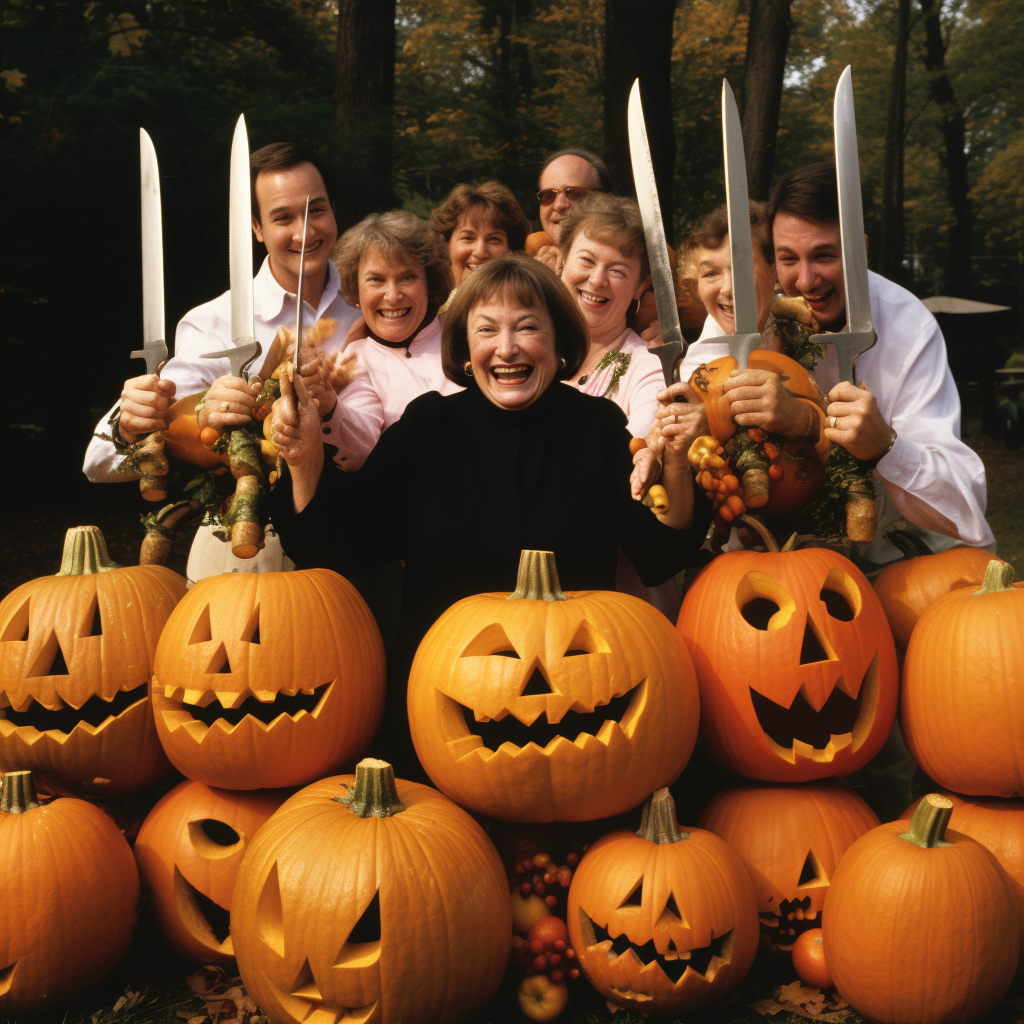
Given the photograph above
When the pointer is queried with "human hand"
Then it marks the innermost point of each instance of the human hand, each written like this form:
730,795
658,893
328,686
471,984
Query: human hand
144,404
646,471
856,423
340,368
679,406
760,399
652,335
296,425
551,257
311,369
229,402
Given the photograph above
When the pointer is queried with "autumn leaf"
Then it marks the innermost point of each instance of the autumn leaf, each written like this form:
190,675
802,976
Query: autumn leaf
50,139
125,34
13,78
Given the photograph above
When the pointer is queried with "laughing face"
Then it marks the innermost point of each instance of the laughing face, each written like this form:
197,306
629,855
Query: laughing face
809,262
393,296
714,285
474,241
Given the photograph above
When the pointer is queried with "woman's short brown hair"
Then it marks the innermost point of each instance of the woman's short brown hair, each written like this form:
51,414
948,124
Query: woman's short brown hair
713,229
400,237
496,202
613,220
518,278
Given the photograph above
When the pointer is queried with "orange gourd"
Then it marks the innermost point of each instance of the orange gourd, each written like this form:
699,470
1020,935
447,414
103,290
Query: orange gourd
790,839
76,655
662,920
68,889
920,926
371,899
189,850
795,662
962,700
544,706
266,680
809,960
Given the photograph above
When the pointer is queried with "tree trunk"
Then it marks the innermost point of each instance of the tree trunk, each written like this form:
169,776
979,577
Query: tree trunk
892,234
366,88
763,68
638,44
961,232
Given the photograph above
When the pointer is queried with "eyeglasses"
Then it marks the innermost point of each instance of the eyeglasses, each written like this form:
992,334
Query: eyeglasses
571,192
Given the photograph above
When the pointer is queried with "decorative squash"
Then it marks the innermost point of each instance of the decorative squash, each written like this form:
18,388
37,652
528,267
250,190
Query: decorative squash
374,900
999,826
790,839
181,439
906,588
963,688
662,920
68,889
76,654
266,680
544,706
809,960
920,926
795,661
189,850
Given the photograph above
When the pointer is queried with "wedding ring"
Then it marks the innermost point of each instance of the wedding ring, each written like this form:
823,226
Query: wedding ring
832,423
224,406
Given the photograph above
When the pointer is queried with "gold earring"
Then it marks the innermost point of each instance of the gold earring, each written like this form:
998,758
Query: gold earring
562,362
467,368
637,309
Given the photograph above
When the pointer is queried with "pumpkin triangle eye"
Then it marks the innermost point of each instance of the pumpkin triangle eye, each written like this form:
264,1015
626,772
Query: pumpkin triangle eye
17,626
812,872
367,928
219,663
490,641
635,898
201,632
586,641
51,659
672,907
269,915
93,624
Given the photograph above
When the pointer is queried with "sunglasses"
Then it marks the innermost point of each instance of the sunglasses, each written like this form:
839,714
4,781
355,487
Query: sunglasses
572,193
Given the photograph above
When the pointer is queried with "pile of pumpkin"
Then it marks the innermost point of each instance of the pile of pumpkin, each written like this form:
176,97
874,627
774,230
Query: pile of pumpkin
375,899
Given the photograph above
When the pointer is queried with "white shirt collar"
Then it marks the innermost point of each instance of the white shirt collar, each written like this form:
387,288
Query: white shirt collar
269,296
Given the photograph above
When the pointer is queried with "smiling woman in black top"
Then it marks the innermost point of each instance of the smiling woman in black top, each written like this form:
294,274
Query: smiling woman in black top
462,483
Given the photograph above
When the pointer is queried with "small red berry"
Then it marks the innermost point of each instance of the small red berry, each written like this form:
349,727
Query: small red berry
540,963
551,900
570,953
537,946
554,959
526,888
550,879
574,974
560,945
556,976
573,859
539,888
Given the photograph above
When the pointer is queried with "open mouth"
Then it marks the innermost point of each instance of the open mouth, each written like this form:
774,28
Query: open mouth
510,376
674,963
311,248
843,721
781,928
93,713
590,298
394,314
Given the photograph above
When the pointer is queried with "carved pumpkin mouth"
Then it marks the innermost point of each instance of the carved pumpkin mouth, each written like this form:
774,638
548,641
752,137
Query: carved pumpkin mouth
616,716
782,927
95,714
202,914
305,1001
674,963
6,977
799,730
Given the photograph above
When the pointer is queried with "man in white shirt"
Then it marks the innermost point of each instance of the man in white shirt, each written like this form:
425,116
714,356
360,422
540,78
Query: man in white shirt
283,174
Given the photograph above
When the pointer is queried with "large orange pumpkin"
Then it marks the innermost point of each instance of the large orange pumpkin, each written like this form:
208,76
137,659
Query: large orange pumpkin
920,926
790,839
907,587
68,893
76,654
962,701
266,680
371,899
662,920
795,661
189,850
544,706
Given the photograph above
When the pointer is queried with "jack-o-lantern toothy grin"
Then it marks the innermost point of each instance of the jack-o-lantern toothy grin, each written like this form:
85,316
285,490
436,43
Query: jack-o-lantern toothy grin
229,710
93,715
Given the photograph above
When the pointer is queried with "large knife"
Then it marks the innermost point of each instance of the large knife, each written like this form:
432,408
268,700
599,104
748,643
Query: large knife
153,483
298,299
741,249
859,333
672,350
243,335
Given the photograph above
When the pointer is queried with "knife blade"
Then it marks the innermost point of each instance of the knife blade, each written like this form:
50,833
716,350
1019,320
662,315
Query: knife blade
741,249
298,295
673,347
154,344
859,333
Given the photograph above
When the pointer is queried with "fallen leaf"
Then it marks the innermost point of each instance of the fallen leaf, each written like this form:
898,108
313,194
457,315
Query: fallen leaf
810,1003
766,1007
13,78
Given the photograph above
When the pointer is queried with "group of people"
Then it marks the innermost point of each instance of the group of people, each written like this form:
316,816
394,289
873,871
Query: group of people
452,419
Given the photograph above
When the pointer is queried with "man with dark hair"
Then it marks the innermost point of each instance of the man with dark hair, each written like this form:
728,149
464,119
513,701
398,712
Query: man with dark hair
905,416
283,174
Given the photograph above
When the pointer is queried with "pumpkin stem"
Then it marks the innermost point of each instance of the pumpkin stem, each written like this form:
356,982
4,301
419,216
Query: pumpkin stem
770,543
791,543
538,578
998,577
85,552
928,826
18,793
658,819
374,795
910,545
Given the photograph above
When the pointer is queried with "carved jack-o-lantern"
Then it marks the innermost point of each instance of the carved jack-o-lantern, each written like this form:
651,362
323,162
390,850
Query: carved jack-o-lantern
795,661
790,839
541,706
76,651
266,680
372,900
189,850
662,920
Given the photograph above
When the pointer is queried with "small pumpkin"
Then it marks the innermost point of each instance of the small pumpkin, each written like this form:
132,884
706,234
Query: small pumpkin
790,839
189,850
962,700
544,706
267,680
809,960
795,662
662,920
371,899
920,926
68,889
76,655
907,587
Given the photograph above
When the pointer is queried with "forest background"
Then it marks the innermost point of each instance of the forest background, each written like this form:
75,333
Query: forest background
409,98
